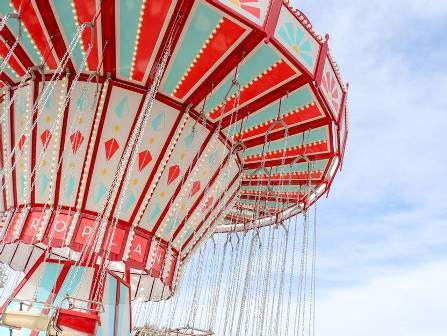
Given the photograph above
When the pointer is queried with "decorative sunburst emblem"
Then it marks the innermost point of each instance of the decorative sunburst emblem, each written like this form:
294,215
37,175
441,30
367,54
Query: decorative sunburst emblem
295,38
330,86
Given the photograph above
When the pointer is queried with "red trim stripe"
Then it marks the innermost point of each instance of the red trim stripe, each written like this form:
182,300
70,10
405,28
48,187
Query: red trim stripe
226,34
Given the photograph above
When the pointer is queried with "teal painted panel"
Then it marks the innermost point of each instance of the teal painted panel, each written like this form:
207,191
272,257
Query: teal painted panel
297,99
129,16
64,11
298,167
201,26
258,62
316,134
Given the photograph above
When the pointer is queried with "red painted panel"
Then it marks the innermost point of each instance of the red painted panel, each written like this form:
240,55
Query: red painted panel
138,251
153,18
271,77
85,12
292,118
34,28
56,234
227,33
83,236
31,227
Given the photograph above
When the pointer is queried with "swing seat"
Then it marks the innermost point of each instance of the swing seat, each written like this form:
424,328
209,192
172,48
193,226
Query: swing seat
24,319
80,323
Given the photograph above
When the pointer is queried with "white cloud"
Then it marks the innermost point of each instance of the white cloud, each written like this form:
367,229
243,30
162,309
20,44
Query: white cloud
409,303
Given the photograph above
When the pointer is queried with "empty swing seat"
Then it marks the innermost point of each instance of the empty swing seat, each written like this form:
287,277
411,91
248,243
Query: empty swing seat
82,323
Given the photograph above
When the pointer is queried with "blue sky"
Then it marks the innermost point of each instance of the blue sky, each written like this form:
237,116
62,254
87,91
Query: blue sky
382,266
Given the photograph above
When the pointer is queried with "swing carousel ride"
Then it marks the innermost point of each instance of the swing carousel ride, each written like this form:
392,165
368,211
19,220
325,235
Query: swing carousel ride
132,131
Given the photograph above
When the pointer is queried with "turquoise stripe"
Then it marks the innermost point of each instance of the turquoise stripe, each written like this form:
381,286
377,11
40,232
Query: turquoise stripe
297,167
199,29
297,99
316,134
264,57
64,10
129,15
274,188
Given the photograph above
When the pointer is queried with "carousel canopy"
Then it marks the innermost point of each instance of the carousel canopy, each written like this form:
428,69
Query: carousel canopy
139,128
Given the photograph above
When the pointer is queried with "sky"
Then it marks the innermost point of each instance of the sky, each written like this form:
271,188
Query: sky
382,244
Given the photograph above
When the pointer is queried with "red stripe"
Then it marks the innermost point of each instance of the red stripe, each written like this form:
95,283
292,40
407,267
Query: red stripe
31,21
12,60
290,152
227,33
49,20
85,12
108,36
271,77
153,19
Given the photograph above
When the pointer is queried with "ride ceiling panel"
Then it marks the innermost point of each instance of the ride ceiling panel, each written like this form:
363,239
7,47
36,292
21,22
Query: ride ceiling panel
66,18
212,192
38,36
14,68
257,122
253,10
153,21
162,118
46,143
261,72
190,141
80,119
209,221
207,40
196,184
6,7
304,138
121,111
21,151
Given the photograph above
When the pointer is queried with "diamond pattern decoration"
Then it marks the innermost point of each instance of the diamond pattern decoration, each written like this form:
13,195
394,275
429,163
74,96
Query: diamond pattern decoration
111,146
76,140
45,138
173,173
144,158
195,188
